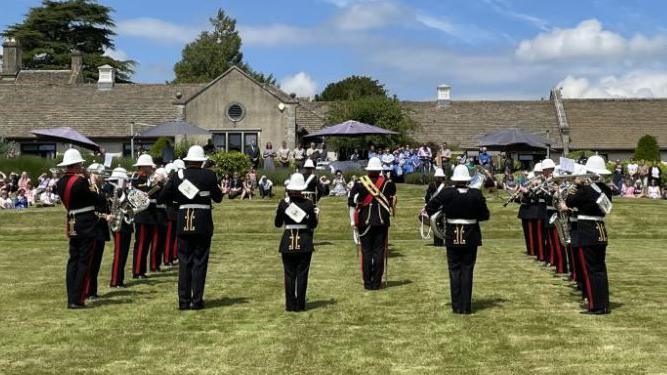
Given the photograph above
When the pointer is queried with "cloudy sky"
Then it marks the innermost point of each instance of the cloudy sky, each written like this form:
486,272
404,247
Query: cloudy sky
484,49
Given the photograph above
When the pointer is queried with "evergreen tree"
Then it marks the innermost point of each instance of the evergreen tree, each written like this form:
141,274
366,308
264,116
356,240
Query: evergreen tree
213,53
647,149
351,88
50,32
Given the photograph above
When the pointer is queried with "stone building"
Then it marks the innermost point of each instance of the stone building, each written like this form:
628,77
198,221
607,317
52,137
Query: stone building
238,110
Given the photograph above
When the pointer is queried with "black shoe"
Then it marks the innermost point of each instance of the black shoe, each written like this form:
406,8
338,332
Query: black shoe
597,312
184,306
93,297
197,306
76,306
141,277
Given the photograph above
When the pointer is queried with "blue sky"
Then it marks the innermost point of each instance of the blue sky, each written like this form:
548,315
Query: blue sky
484,49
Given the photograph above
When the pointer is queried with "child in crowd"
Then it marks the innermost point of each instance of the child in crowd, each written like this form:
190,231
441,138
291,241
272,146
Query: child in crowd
653,190
339,188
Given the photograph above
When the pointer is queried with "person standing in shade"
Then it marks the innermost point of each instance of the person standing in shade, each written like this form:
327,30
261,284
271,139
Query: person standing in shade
80,202
193,190
299,155
284,155
373,197
464,208
592,202
269,156
299,216
253,153
122,236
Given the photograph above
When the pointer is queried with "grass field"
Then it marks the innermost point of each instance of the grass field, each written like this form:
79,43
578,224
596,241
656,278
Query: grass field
525,319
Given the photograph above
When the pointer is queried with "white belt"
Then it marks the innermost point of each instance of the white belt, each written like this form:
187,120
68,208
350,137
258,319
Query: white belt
551,208
296,226
541,200
204,193
161,206
153,200
81,210
197,206
590,218
573,219
462,221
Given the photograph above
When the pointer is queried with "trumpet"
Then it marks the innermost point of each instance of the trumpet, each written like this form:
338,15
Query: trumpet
517,193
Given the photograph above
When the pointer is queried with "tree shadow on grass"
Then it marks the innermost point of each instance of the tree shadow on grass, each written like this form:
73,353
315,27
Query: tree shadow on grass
397,283
615,305
123,292
395,254
320,303
150,281
487,303
225,301
164,273
103,302
322,243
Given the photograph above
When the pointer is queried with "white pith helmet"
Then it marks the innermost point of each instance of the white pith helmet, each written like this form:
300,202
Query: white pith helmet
548,164
71,157
597,165
144,160
374,165
537,168
296,182
179,164
309,164
118,174
439,172
196,153
461,174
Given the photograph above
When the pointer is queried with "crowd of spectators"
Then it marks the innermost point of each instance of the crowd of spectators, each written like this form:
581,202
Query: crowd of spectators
19,191
638,180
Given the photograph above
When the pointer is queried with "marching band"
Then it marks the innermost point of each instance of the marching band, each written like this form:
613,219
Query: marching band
169,211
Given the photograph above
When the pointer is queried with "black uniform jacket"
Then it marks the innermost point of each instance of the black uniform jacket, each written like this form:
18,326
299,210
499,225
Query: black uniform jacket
298,240
80,196
372,214
193,221
588,232
103,206
460,204
172,207
148,216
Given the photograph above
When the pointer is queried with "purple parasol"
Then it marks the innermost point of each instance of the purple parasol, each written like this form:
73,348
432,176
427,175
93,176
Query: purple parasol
513,138
67,135
350,129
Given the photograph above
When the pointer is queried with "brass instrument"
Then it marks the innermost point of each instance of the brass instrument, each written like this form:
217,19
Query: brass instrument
518,192
438,224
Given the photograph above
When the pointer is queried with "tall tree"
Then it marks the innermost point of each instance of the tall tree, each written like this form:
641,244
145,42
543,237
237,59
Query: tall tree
213,52
647,149
50,31
351,88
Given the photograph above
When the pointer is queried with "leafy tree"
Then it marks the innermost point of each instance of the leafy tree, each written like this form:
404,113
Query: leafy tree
647,149
352,88
50,31
213,52
380,111
230,162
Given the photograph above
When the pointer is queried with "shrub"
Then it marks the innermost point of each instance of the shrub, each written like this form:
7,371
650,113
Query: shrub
34,165
230,162
181,148
156,149
647,149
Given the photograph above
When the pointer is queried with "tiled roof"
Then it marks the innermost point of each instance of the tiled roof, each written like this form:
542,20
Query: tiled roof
83,107
607,124
311,116
462,123
45,77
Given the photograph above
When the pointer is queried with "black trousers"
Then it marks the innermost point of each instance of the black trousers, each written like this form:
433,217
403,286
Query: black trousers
595,276
143,236
121,248
437,241
373,248
95,266
76,277
169,254
527,236
193,255
157,246
461,263
296,268
557,253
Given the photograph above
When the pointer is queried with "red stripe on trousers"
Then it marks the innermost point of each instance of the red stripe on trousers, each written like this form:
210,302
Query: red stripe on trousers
552,246
116,258
586,278
573,264
138,255
86,276
531,250
559,250
154,250
167,246
540,241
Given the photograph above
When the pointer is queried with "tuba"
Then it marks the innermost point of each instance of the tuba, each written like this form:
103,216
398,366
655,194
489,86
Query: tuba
438,224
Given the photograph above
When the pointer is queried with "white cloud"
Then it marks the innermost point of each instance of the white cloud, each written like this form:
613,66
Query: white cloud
157,30
587,40
117,54
275,35
301,84
369,15
504,8
632,85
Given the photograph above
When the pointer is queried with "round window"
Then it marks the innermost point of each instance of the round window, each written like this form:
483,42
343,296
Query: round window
235,112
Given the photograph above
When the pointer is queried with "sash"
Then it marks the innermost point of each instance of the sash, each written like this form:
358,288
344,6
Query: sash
68,191
374,192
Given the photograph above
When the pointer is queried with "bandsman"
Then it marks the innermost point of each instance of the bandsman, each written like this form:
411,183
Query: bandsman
592,199
80,201
299,216
160,234
96,182
122,236
555,253
145,230
170,253
433,190
316,187
373,197
193,189
464,208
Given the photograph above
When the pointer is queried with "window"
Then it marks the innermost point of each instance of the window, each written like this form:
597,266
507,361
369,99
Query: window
235,112
139,148
45,150
235,141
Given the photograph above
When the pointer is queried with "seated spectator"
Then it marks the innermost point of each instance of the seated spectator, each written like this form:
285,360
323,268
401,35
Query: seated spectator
339,188
21,202
509,183
638,189
653,190
224,184
235,186
248,188
13,183
265,187
31,194
24,180
252,175
48,198
5,201
655,174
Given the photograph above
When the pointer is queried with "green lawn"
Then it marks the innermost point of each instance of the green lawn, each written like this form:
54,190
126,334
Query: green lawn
525,319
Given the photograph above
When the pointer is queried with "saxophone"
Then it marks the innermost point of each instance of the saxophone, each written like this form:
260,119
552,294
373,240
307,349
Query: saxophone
117,209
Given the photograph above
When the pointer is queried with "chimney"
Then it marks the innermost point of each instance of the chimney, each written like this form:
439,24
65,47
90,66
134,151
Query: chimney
77,61
444,96
107,77
12,59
